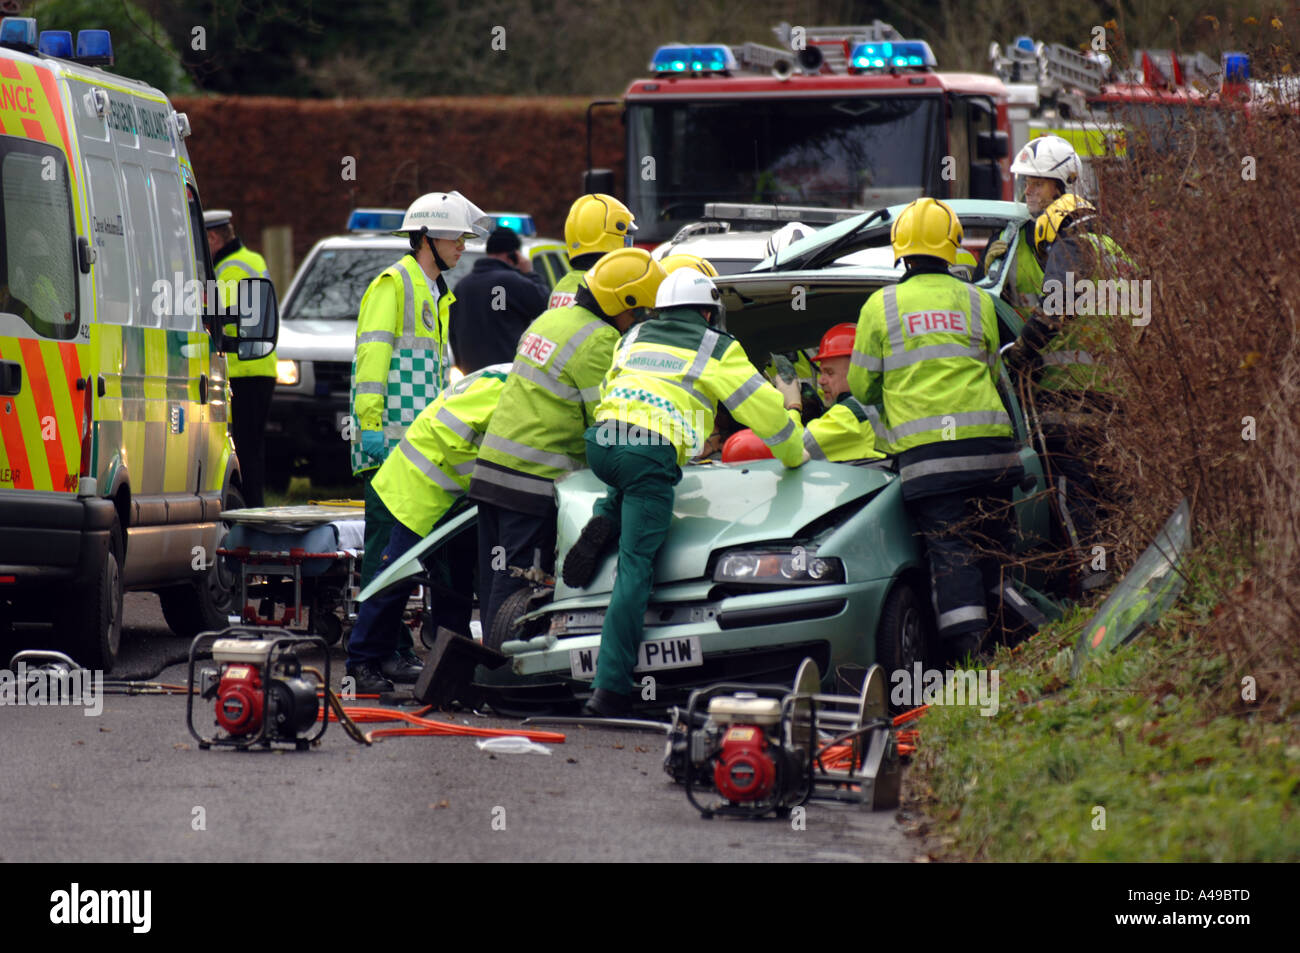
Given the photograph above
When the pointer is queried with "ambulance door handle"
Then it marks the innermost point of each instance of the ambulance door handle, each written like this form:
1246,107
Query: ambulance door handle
203,388
11,378
100,386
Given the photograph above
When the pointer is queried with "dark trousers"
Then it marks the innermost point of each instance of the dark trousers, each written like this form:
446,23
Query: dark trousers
250,404
379,530
968,537
1067,456
640,502
508,538
379,620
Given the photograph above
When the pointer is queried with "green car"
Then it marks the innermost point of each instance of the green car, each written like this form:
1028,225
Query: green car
763,566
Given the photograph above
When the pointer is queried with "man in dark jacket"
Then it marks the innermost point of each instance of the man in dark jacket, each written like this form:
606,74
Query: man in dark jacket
495,303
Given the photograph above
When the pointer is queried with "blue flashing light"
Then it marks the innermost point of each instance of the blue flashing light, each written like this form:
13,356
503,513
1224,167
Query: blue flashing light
520,223
94,48
692,59
375,220
1025,43
56,43
18,31
904,54
1236,68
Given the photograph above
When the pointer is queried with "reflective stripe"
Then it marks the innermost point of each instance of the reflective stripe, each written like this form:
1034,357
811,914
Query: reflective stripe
812,446
877,425
782,435
584,332
538,486
458,426
965,614
428,468
973,418
590,395
892,322
543,380
1057,358
466,468
243,266
707,344
976,319
689,389
868,362
395,431
524,452
989,461
370,337
676,359
933,352
742,393
370,387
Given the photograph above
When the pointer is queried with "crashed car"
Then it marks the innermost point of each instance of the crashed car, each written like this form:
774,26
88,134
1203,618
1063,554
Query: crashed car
763,566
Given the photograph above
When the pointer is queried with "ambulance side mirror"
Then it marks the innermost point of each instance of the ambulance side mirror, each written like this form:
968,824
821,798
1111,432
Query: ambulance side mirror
258,320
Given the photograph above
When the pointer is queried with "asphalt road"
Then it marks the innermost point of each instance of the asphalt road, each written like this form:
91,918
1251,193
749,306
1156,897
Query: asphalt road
131,785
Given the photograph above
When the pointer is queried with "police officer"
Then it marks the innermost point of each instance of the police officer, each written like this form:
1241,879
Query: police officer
656,410
252,383
926,350
1062,352
548,402
402,360
597,224
416,487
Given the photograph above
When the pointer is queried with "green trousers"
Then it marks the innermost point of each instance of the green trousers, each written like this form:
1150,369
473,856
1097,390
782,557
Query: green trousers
379,526
639,501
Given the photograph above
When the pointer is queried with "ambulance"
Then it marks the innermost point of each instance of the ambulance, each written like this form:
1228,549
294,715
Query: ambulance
115,456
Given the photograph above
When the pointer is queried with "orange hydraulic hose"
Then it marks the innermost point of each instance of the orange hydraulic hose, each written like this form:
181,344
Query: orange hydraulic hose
428,727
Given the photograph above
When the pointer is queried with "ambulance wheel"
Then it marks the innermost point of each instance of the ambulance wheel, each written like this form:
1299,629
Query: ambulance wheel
91,620
204,606
903,632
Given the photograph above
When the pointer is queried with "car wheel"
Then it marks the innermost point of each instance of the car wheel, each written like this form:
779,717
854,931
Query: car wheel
519,602
903,632
206,605
90,622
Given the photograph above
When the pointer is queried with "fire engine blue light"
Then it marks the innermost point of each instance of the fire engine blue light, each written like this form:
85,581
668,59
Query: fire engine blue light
906,54
56,43
18,31
1236,67
1025,43
521,224
692,59
95,47
375,220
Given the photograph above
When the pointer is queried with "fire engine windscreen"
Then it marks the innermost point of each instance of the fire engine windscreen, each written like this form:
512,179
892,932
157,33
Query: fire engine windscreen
850,152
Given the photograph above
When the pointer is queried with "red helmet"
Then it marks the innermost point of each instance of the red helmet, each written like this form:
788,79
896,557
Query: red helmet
745,445
837,342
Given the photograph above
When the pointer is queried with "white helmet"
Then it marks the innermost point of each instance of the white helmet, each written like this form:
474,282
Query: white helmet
689,288
786,236
1047,157
446,215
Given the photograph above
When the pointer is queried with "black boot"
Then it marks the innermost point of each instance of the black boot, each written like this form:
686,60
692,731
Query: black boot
402,667
589,551
369,679
606,704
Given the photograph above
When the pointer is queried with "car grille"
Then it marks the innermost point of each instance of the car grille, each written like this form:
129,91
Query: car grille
332,377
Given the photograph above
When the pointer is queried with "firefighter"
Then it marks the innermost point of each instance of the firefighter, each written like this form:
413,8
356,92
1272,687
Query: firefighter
1060,351
671,263
1045,169
548,402
252,383
843,432
657,407
401,361
597,224
416,487
926,350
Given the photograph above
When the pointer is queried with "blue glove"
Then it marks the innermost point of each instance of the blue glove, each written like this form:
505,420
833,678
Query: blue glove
373,445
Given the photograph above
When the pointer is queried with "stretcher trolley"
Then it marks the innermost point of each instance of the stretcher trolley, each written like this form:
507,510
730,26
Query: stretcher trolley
296,567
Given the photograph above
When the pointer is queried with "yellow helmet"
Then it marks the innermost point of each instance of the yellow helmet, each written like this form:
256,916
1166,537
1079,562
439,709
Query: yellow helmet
597,224
623,279
671,263
1068,207
927,227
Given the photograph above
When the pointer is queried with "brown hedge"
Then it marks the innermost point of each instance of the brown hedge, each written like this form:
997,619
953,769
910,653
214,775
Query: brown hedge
280,161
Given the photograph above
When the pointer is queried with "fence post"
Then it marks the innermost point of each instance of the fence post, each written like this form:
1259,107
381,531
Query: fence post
277,248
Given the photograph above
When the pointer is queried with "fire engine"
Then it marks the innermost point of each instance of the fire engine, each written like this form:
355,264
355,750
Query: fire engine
845,117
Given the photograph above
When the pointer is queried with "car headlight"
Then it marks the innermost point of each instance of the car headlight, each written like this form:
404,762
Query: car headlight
286,372
791,567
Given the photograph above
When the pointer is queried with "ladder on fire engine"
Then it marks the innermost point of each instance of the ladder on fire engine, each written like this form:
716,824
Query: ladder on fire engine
834,43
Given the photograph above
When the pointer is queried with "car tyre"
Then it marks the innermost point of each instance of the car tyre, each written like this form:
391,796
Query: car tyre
903,634
519,602
205,605
90,621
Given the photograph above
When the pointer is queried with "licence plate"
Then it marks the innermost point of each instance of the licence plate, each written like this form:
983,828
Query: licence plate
654,655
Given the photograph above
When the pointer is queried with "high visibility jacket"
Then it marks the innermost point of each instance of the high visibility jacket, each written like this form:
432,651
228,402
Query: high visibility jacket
842,433
1029,273
565,289
402,361
546,405
926,349
232,268
432,464
669,375
1082,287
